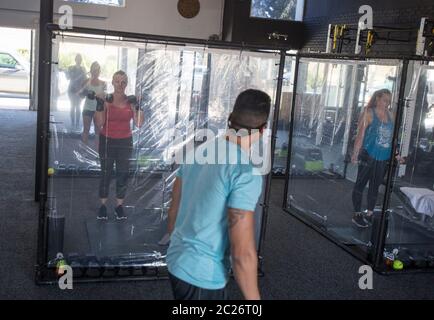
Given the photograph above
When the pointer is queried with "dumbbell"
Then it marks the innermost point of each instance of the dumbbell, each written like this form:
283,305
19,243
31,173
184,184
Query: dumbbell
133,101
82,170
406,258
90,94
100,102
430,259
84,93
419,260
72,169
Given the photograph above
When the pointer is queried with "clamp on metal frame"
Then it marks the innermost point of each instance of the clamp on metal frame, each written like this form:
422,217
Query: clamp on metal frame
277,36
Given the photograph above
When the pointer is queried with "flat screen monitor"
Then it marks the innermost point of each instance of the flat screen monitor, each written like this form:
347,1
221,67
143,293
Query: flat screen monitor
115,3
289,10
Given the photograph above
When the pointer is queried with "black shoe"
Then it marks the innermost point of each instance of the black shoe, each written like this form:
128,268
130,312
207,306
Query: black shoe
102,213
120,214
359,221
369,218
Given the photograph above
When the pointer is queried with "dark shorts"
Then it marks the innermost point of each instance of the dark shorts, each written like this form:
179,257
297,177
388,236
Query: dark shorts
88,113
185,291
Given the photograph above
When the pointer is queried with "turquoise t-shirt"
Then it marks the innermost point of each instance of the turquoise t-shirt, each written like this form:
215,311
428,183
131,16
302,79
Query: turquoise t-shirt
199,249
378,138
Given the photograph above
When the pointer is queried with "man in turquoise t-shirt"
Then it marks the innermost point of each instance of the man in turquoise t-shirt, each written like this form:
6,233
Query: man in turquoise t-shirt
211,219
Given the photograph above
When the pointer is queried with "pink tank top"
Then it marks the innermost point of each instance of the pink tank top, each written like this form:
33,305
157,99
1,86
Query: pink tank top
118,121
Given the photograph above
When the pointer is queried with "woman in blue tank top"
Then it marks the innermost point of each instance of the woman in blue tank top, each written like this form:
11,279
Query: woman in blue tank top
372,151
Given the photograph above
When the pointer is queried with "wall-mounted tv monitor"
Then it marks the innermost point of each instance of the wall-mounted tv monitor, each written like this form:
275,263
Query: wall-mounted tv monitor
114,3
289,10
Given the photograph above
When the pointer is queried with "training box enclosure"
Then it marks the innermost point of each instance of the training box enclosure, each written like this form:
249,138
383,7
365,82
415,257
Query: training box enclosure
181,89
327,182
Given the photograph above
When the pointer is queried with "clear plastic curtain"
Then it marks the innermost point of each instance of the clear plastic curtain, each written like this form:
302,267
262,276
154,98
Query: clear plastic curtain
180,90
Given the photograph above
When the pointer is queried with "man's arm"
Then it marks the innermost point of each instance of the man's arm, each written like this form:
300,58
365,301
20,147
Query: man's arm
174,206
243,251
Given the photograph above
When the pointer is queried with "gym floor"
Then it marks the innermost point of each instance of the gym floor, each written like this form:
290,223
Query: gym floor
298,262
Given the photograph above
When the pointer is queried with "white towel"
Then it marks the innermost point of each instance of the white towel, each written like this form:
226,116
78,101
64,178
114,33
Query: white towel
421,199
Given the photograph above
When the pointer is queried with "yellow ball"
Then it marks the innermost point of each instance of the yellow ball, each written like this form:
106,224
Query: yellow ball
398,265
50,171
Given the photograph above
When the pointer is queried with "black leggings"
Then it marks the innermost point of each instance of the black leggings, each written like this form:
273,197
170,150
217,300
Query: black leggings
75,111
114,151
369,170
185,291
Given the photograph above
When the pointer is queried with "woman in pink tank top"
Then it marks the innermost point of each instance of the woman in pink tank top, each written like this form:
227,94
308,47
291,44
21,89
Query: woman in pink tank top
116,143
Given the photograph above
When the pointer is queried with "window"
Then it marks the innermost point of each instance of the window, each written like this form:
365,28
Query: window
7,61
114,3
277,9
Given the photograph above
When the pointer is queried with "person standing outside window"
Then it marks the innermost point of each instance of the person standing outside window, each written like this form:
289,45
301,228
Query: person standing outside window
77,78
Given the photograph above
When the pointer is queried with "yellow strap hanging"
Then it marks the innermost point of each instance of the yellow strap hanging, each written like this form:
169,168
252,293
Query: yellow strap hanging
342,30
335,36
369,41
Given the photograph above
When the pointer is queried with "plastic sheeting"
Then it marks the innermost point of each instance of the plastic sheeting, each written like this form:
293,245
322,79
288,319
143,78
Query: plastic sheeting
180,89
328,182
282,135
411,202
422,200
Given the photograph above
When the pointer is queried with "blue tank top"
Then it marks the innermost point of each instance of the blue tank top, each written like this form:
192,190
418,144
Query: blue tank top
378,138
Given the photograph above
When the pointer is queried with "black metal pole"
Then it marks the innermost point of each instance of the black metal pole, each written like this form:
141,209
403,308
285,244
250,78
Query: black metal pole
204,96
273,146
290,134
42,143
354,57
193,106
178,94
382,230
166,40
44,91
31,69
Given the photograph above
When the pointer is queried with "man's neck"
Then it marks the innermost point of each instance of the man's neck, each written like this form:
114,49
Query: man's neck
244,145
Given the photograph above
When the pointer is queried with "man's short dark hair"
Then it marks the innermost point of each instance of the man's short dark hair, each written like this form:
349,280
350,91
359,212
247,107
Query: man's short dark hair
251,110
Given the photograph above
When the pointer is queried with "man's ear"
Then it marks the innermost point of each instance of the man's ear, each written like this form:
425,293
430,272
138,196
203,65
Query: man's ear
230,119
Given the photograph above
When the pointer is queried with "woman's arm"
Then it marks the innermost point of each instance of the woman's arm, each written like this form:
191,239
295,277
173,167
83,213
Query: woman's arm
104,90
138,113
138,118
100,117
83,84
364,121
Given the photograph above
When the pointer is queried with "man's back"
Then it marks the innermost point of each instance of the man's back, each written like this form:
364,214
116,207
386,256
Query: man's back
199,249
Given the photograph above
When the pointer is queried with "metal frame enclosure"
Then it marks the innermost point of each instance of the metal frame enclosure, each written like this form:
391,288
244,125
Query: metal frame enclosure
375,259
45,275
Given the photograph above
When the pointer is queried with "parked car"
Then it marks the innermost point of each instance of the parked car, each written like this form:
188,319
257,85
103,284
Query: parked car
14,73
